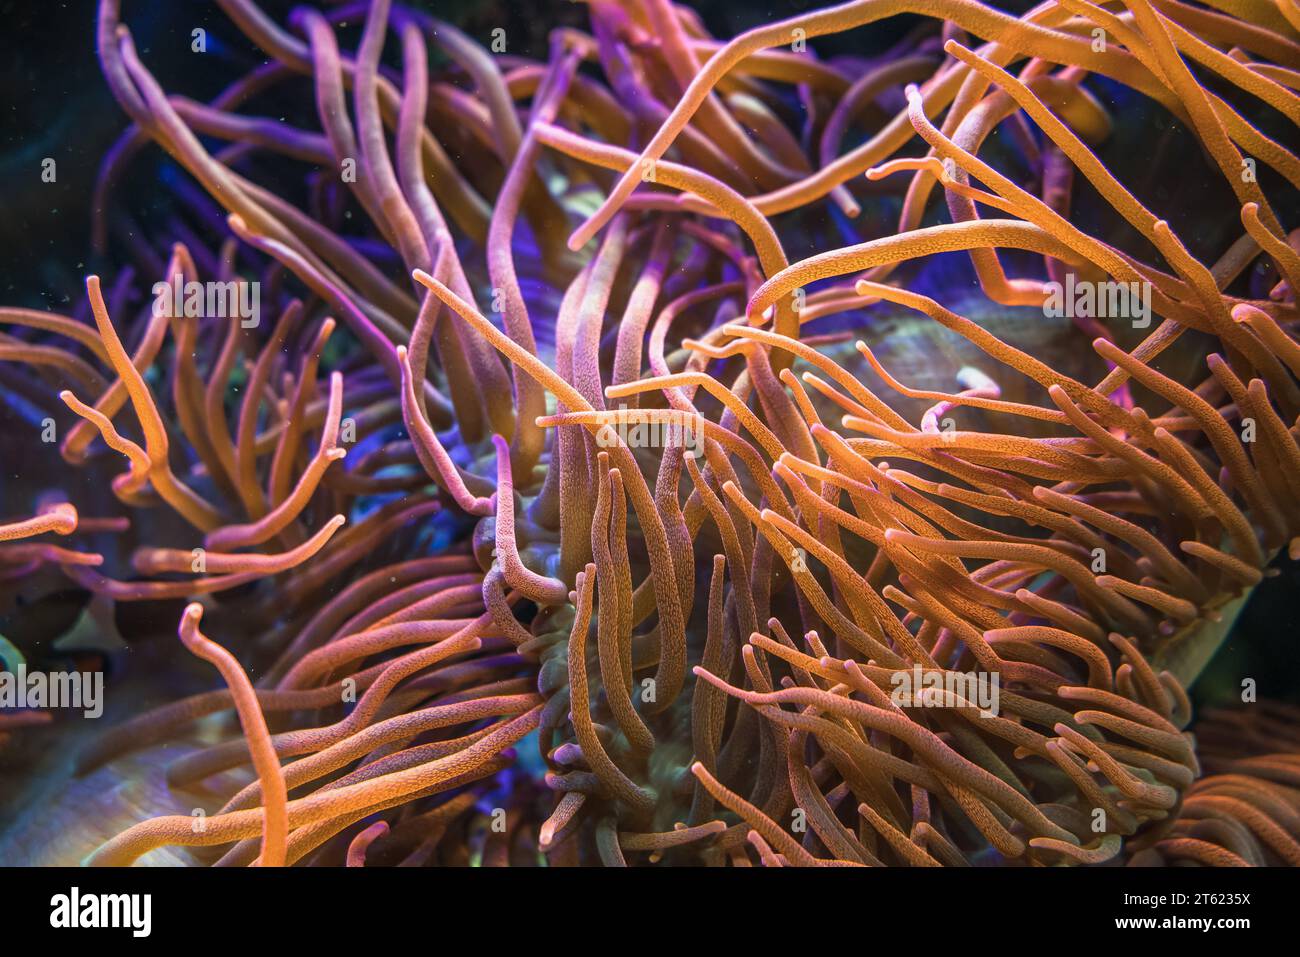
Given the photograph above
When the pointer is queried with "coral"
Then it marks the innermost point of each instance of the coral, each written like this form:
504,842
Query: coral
644,562
1243,813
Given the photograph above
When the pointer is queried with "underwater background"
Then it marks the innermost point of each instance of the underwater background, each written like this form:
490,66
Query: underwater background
55,103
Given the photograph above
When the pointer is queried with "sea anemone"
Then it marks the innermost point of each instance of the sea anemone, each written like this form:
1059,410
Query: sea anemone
562,514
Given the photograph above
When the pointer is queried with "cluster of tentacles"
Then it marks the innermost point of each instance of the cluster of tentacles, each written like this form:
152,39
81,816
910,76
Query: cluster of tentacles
592,553
1246,810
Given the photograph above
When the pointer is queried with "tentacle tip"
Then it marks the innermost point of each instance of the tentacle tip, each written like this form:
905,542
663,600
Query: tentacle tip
580,236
